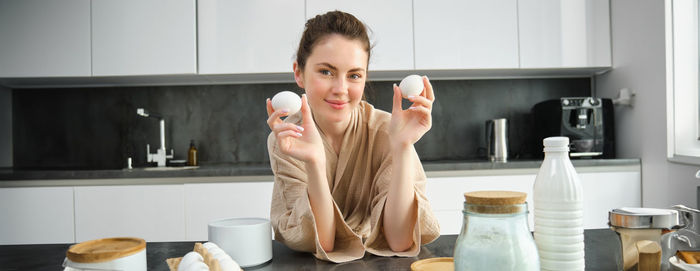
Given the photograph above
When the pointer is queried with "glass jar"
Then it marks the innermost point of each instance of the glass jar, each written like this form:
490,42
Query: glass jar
495,233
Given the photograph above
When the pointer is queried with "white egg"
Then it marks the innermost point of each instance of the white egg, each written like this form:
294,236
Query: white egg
411,85
225,261
217,253
228,264
198,266
189,259
286,100
209,245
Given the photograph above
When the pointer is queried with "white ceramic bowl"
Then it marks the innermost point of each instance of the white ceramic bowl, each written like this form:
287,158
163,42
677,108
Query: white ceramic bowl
136,262
247,240
679,265
116,253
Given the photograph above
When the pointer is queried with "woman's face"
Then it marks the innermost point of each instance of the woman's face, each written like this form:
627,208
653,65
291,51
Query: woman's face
334,78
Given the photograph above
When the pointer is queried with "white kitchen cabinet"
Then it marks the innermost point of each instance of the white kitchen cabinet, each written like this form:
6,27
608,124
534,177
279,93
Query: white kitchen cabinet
152,212
564,33
248,36
603,191
136,37
44,38
391,29
36,215
205,202
466,34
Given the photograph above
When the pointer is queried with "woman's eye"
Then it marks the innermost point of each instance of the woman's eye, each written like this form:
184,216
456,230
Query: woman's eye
355,76
326,72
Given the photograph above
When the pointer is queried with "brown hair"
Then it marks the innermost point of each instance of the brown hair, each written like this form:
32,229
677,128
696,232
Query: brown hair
333,22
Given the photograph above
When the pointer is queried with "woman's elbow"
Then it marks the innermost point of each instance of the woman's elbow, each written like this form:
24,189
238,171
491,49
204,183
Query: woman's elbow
327,245
400,245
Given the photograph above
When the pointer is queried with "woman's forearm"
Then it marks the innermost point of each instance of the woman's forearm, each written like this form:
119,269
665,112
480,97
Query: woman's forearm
321,204
400,207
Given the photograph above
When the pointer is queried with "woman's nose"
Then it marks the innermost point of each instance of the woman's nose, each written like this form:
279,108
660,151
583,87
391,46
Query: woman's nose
340,85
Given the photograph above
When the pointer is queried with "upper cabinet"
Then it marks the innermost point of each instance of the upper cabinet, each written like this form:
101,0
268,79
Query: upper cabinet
143,37
248,36
466,34
390,26
564,33
44,38
255,41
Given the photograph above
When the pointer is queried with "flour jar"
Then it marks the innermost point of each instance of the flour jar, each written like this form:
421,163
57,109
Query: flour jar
495,233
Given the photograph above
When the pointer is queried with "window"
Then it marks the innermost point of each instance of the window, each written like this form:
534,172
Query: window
682,73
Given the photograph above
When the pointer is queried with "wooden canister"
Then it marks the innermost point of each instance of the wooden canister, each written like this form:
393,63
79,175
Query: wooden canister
121,253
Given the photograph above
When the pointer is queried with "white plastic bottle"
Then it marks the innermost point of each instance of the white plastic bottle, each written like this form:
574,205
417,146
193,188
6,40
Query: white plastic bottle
558,204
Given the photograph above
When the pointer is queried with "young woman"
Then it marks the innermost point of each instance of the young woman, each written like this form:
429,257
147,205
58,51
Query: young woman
347,177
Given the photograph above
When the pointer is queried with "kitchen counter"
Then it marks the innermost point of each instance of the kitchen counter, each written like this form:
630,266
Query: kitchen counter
261,171
602,250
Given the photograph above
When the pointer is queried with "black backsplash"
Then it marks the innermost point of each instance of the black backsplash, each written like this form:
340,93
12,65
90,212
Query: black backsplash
98,128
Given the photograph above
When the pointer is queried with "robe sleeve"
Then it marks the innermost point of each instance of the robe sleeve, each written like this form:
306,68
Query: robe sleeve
426,228
291,217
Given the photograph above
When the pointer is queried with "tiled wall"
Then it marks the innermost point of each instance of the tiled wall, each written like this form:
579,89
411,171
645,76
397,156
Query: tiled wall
98,128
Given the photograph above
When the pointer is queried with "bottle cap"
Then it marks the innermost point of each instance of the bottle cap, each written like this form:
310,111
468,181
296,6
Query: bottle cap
556,143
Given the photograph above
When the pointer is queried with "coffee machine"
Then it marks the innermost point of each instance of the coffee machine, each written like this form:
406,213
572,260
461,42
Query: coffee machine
587,121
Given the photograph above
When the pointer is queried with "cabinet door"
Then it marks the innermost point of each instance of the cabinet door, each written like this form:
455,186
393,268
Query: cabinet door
446,195
143,37
248,36
564,33
466,34
209,201
604,191
44,38
36,215
152,212
391,29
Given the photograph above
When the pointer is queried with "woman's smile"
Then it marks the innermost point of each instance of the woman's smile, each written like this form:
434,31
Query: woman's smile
336,104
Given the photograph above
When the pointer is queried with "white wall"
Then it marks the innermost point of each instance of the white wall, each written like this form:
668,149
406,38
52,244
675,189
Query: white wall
638,46
5,127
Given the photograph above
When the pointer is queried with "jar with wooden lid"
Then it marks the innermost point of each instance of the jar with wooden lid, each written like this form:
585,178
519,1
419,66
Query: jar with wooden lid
121,253
495,233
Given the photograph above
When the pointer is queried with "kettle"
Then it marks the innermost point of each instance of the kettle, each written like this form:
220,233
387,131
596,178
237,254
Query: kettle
497,140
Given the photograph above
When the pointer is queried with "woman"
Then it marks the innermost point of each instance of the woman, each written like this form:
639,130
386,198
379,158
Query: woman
347,178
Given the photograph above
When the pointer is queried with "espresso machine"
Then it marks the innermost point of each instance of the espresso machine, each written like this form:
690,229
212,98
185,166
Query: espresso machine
588,122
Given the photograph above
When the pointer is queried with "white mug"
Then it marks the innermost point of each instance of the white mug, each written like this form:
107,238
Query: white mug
247,240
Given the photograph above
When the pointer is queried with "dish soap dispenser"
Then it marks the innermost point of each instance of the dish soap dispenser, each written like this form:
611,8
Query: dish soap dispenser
192,155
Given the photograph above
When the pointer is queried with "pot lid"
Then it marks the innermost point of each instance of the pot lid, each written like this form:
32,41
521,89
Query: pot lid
103,250
643,218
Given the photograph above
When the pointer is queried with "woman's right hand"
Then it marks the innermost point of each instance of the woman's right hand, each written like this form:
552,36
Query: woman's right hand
301,142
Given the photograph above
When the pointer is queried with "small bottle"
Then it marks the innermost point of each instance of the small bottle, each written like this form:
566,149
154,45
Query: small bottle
192,155
558,206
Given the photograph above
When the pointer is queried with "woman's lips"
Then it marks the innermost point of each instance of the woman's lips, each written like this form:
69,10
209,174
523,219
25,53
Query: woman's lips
336,104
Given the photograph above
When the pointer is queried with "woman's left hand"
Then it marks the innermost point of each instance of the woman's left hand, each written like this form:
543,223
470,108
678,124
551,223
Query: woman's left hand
408,126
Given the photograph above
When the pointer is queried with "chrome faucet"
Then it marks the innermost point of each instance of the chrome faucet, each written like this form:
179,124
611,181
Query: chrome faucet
160,156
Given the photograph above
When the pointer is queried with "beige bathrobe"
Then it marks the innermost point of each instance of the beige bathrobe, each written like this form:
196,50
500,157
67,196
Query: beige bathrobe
358,178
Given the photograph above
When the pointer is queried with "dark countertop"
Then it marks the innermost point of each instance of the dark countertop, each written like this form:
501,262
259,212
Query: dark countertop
263,169
602,250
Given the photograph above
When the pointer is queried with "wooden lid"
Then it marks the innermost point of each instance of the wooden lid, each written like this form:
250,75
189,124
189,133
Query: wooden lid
103,250
434,264
495,197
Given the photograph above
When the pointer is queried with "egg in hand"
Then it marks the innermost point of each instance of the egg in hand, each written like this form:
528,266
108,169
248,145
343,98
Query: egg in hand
411,85
286,100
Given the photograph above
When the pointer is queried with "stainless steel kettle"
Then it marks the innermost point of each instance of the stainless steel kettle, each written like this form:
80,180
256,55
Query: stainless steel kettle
497,140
